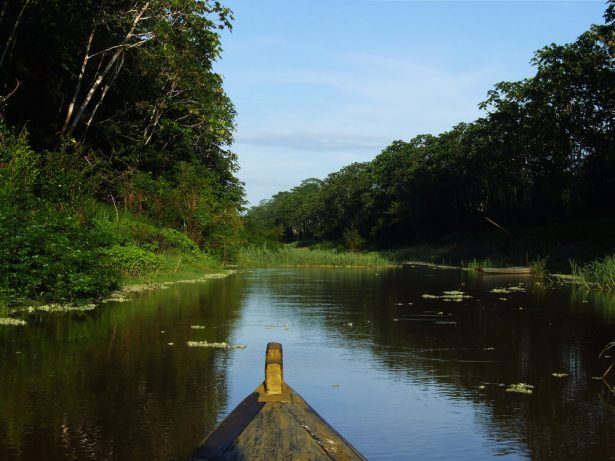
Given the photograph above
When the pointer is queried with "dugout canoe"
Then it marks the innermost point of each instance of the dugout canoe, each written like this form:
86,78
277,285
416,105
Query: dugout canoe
275,423
505,270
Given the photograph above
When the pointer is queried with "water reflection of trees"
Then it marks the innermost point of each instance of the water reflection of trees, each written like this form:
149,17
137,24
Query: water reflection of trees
483,341
108,385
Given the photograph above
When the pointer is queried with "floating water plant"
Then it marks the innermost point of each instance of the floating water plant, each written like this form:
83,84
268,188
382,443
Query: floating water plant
12,322
61,308
448,296
520,388
508,290
559,375
116,297
221,345
455,295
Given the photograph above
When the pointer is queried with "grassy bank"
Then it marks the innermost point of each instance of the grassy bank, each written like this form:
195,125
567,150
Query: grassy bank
127,250
261,256
177,266
572,264
599,273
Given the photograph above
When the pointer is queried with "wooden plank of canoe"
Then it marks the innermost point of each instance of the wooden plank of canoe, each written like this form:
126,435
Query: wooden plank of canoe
280,430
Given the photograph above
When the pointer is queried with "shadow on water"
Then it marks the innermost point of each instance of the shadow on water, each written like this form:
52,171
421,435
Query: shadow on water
511,330
389,359
119,383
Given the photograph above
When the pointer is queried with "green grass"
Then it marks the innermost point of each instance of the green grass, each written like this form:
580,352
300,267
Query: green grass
486,262
292,256
597,273
176,266
455,250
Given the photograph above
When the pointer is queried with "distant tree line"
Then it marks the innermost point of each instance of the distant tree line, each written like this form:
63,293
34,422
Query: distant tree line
113,102
544,153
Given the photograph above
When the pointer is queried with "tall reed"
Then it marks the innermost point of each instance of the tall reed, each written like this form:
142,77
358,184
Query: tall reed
253,256
598,273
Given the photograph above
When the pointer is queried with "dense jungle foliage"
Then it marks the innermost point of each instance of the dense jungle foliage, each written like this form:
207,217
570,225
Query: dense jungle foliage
114,143
539,162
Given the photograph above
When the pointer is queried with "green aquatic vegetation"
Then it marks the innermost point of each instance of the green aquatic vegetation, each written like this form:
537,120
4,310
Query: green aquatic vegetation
7,321
538,266
508,290
448,296
197,327
56,308
599,273
222,345
115,297
520,388
455,295
475,264
254,256
559,375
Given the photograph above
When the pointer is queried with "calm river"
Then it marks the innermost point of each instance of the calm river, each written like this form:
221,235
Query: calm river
399,374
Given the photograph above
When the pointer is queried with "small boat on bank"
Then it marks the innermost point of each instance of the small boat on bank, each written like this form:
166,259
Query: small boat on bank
505,270
274,422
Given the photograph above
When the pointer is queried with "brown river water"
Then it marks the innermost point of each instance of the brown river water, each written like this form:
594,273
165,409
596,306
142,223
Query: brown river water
398,370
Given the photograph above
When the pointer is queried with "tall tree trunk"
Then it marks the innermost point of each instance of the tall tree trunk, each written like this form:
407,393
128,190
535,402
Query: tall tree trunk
11,38
104,93
100,78
71,106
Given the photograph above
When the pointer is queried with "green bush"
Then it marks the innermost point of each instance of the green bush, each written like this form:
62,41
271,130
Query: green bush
46,254
252,256
133,261
173,238
598,273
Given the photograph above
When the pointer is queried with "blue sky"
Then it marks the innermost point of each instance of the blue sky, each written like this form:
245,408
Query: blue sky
320,84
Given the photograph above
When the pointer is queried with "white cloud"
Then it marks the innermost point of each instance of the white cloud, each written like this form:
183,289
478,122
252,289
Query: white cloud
317,120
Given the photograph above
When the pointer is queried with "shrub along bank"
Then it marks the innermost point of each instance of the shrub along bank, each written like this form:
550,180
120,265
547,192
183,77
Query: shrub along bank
61,244
126,169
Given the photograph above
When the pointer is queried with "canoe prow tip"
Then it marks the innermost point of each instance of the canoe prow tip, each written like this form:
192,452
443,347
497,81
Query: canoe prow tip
274,369
275,419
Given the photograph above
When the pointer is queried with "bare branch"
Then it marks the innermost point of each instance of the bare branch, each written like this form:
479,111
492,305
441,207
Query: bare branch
71,106
12,36
123,45
104,93
3,99
6,4
99,80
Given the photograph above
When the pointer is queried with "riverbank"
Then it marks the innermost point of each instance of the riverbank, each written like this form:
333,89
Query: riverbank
129,288
580,253
293,256
454,252
177,267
